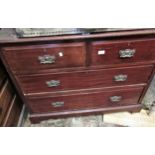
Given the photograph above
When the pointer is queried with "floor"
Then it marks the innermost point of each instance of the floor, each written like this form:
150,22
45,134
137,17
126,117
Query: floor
144,118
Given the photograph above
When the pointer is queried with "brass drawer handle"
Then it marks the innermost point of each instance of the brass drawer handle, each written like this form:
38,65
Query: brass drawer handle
115,98
53,83
47,59
127,53
57,104
120,78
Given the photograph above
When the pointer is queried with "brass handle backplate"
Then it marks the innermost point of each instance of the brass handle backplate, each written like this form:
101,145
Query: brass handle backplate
53,83
127,53
57,104
115,98
47,59
120,78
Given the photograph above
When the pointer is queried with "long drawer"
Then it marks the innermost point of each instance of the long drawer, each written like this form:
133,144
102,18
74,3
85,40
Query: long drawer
122,51
39,57
84,79
104,98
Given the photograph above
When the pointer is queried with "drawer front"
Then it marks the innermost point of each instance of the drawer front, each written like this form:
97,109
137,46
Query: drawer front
32,58
118,52
6,96
86,101
84,80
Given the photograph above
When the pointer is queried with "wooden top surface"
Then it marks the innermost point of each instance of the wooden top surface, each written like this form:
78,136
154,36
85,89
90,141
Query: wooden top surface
9,36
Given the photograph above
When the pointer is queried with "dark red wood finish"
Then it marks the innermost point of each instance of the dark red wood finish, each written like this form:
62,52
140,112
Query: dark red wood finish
144,51
25,58
84,80
6,96
36,118
86,101
10,104
14,40
13,113
85,72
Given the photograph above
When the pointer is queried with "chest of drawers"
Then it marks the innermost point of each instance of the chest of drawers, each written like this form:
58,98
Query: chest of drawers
81,74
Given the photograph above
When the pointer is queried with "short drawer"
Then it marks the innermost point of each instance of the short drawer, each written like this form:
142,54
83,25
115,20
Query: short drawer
110,98
85,79
39,57
122,51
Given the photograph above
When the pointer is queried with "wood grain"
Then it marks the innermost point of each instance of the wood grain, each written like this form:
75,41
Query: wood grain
84,80
143,51
13,113
129,33
25,58
6,96
86,101
36,118
82,71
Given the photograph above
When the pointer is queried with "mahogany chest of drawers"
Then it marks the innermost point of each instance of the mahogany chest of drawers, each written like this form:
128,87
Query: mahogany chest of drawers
81,74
